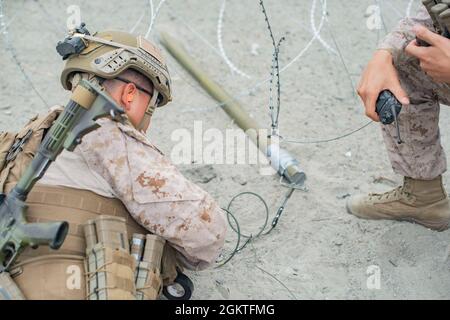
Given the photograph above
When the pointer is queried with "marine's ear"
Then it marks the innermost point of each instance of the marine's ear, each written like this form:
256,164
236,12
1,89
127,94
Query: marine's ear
129,93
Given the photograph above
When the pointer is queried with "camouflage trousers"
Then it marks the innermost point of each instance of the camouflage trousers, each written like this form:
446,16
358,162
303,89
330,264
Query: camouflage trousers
421,155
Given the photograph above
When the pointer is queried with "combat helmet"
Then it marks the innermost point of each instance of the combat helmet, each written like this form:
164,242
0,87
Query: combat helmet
106,54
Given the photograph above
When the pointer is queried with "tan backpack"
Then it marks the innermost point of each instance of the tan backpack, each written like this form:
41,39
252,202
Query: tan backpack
18,149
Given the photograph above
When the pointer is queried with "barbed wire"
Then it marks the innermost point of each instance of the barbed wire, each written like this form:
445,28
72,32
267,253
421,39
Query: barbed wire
409,8
249,90
154,14
227,60
312,21
11,49
51,19
316,36
275,72
133,29
378,4
256,85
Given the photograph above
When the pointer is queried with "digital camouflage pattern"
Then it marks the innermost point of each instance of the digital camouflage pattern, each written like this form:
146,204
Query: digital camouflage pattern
155,193
397,40
421,155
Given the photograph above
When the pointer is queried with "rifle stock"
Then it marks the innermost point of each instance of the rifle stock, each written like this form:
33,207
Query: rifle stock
88,103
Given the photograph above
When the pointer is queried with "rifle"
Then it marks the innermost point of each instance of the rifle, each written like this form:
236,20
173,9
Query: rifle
387,106
88,103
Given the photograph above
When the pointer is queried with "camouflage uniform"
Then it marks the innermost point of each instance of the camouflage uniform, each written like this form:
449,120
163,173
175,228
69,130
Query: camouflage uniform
118,161
421,155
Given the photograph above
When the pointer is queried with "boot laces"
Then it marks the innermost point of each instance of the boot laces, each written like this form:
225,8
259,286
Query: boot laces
396,194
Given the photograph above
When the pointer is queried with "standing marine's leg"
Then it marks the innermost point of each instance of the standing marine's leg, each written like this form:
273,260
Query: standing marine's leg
421,155
420,158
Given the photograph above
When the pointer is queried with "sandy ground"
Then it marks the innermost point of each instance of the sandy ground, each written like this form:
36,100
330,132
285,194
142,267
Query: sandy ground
317,251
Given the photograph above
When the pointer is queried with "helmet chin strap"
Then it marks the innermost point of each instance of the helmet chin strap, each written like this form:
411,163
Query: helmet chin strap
149,111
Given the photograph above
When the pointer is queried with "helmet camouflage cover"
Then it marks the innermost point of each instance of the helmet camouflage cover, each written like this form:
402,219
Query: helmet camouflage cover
109,53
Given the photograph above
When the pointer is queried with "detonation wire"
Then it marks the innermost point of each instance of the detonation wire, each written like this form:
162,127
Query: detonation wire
262,230
274,115
347,72
287,140
277,280
275,72
290,192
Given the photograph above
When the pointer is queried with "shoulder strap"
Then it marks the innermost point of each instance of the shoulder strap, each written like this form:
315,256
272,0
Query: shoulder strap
7,140
18,149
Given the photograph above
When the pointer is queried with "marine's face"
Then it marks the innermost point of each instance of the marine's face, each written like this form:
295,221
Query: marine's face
134,96
135,109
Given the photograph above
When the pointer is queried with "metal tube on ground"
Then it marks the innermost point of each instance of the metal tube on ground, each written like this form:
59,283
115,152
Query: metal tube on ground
285,164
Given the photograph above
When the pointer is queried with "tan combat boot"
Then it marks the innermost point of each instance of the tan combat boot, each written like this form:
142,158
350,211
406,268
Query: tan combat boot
421,201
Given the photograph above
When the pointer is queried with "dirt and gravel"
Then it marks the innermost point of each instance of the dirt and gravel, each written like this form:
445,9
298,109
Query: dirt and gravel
317,251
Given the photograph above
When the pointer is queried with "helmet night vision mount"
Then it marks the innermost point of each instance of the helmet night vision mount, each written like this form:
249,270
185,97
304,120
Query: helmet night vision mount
73,45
